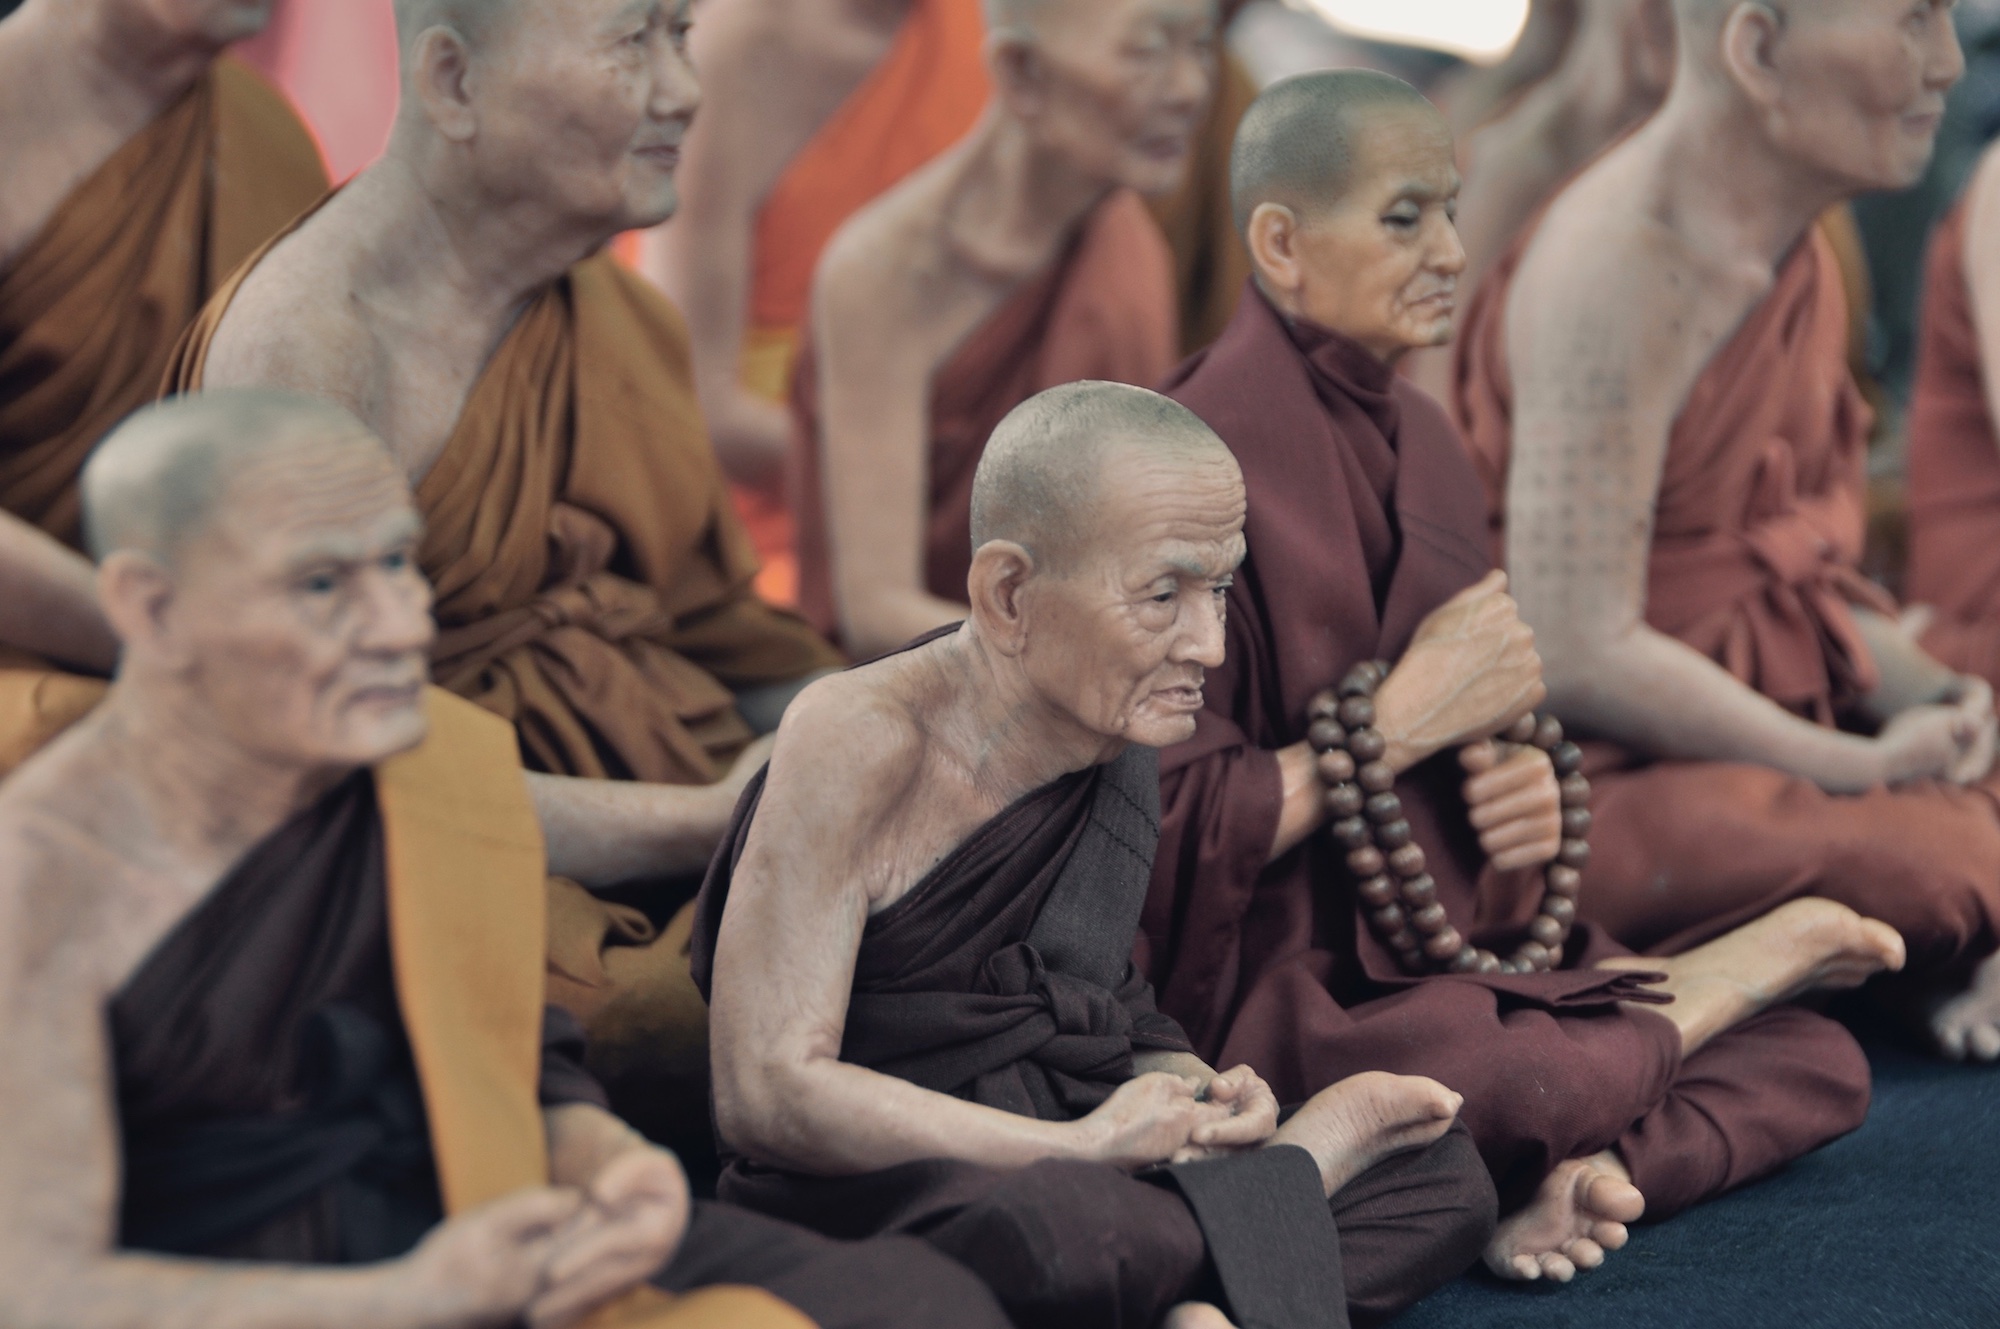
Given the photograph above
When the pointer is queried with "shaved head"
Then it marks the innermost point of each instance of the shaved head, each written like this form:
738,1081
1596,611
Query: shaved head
159,479
1039,480
1297,143
470,19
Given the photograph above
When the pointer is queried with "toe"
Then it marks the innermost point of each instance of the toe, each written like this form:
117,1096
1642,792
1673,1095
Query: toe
1984,1042
1584,1253
1557,1268
1950,1039
1611,1236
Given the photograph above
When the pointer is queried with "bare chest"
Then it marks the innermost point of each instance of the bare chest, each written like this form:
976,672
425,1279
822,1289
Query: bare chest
42,169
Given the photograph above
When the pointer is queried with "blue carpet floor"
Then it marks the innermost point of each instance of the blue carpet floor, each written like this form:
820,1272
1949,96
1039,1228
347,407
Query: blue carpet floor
1896,1226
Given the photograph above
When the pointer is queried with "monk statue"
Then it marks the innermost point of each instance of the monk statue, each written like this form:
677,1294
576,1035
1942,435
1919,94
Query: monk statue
1655,387
1954,449
140,169
274,949
812,108
919,939
1021,259
1367,861
593,582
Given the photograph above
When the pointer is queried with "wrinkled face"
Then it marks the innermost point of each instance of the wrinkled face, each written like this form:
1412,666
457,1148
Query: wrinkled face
1119,86
304,625
1862,86
584,103
211,22
1120,643
1381,264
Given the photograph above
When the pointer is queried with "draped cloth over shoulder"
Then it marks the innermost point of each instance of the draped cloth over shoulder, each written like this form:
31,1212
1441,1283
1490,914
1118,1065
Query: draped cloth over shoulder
1954,470
1104,310
1364,517
1759,525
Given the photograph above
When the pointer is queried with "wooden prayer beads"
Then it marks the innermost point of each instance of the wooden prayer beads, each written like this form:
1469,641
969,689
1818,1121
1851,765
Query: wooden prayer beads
1397,894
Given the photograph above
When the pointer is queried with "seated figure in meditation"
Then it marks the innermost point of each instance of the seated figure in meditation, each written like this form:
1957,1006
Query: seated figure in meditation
811,109
272,939
140,169
1021,259
1347,884
1954,449
919,939
593,582
1656,391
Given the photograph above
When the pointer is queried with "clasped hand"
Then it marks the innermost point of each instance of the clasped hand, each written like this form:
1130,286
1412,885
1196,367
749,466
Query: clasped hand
1470,671
1952,739
1165,1118
1515,802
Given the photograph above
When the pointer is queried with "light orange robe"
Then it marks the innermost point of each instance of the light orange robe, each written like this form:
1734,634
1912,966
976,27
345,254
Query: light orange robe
1104,310
1954,472
922,97
1758,529
1210,260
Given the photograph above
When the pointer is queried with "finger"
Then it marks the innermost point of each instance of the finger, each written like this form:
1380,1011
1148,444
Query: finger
1521,831
1527,856
1479,758
1492,583
641,1235
1538,800
1237,1132
1528,769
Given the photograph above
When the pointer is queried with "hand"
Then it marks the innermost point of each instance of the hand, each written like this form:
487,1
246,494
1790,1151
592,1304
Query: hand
1974,699
1148,1120
484,1267
1516,804
1253,1116
1470,672
635,1215
1931,743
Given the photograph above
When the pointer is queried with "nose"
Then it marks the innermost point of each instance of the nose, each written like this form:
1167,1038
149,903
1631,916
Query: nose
1193,75
676,89
1447,250
1206,639
395,614
1949,65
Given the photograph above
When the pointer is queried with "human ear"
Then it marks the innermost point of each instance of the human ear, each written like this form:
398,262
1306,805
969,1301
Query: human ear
1749,51
1272,237
1019,77
1000,571
443,83
136,594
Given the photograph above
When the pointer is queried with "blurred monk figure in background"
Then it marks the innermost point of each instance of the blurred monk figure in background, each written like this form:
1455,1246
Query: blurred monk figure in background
811,109
1022,259
1656,389
1954,449
140,169
593,580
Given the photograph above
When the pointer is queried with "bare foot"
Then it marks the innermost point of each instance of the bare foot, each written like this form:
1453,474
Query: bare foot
1350,1126
1968,1025
1196,1315
1800,946
1579,1213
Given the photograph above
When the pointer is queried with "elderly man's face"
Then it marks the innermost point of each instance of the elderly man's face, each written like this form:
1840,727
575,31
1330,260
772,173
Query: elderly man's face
1121,641
584,103
305,625
1863,86
1381,265
1123,85
216,22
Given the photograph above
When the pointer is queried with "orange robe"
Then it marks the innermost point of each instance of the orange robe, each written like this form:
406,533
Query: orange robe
90,310
1104,310
1757,533
1954,472
1210,260
593,589
923,96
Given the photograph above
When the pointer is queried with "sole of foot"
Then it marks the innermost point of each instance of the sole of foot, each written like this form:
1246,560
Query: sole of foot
1352,1125
1577,1215
1967,1026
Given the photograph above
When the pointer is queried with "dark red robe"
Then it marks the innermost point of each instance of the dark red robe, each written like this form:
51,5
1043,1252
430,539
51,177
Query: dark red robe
1365,516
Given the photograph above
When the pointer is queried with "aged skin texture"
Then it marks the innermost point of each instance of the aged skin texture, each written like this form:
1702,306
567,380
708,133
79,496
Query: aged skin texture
1018,259
258,563
138,174
1654,388
1366,541
1109,523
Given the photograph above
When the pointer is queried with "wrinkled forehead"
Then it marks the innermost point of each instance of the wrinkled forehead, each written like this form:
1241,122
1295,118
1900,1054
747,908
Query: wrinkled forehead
339,499
524,29
1398,144
1159,513
1057,19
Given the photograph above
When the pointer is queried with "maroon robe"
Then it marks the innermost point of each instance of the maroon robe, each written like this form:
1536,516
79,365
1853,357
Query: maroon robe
1364,517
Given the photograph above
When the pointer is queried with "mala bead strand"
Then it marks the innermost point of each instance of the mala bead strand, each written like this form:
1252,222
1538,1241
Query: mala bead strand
1391,878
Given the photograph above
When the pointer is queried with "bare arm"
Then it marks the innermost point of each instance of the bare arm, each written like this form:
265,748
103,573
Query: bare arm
1982,272
825,844
50,604
59,1174
874,380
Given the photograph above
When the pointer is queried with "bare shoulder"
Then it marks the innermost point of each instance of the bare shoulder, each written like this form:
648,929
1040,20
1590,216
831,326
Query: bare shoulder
1982,202
851,747
292,324
888,254
57,883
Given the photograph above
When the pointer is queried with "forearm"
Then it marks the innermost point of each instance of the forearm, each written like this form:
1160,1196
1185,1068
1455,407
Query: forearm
582,1139
50,605
1651,693
1184,1064
1304,808
883,619
145,1292
601,832
831,1118
1910,676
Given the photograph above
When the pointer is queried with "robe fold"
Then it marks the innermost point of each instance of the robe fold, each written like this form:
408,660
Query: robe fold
1758,532
1954,471
1103,310
1364,517
1004,977
324,1058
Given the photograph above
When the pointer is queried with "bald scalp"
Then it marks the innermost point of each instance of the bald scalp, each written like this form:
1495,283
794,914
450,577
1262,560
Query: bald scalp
157,480
1039,481
1297,142
473,20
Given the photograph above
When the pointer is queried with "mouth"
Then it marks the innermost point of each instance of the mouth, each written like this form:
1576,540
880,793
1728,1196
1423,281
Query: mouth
1926,122
1164,148
667,157
387,696
1187,697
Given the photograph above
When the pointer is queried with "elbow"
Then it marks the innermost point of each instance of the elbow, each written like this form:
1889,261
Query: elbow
760,1112
1577,670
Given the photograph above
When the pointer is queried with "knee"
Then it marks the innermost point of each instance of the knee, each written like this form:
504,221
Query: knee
1417,1223
912,1286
